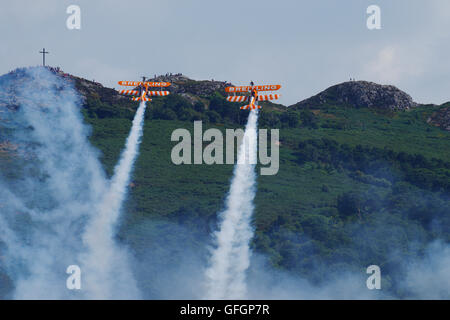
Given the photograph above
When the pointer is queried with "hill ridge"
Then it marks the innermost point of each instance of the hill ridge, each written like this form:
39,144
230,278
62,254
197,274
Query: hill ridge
361,94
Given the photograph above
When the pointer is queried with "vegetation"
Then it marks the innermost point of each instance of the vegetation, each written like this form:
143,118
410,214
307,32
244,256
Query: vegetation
354,184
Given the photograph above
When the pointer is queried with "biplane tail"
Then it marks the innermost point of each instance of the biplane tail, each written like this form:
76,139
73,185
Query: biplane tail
141,99
251,106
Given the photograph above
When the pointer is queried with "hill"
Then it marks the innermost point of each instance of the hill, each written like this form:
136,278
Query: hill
355,185
441,118
361,94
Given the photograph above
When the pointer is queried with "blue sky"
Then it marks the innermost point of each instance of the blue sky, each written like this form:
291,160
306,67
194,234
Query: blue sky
306,46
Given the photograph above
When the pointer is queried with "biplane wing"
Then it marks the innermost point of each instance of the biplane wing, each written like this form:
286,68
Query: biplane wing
268,97
238,98
250,88
156,84
158,93
130,83
144,84
129,92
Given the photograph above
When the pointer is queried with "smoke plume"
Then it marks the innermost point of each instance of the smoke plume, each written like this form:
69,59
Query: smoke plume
57,207
105,258
230,259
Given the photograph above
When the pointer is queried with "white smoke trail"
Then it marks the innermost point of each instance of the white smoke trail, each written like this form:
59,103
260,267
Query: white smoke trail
226,274
102,260
45,207
59,209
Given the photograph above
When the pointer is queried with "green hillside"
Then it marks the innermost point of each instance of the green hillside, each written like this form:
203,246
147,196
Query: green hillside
357,185
354,185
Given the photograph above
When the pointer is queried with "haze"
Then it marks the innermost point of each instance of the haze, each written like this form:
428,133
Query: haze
306,46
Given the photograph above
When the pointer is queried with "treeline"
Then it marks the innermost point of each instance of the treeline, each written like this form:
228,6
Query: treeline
381,165
95,107
216,109
213,109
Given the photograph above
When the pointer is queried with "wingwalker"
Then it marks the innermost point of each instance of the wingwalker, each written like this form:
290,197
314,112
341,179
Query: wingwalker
254,96
141,92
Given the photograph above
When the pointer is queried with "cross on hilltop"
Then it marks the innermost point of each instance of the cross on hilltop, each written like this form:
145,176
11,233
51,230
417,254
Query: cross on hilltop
43,55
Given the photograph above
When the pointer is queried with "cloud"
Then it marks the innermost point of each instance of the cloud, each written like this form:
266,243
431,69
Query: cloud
392,64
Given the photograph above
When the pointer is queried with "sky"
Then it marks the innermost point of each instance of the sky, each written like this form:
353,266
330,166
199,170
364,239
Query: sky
306,46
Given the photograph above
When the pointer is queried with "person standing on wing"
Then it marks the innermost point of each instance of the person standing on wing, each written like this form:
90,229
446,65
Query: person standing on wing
253,94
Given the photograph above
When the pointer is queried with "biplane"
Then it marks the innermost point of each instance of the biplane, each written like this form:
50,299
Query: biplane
141,91
254,96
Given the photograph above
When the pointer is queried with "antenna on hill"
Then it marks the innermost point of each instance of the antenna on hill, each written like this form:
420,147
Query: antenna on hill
43,56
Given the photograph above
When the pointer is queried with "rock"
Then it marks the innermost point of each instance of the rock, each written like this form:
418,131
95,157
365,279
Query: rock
182,85
441,118
361,94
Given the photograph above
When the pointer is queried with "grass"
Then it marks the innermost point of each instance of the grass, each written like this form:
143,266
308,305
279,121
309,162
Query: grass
301,200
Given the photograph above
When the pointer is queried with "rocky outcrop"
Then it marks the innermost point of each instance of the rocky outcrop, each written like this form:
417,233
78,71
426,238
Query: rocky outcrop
361,94
184,85
441,118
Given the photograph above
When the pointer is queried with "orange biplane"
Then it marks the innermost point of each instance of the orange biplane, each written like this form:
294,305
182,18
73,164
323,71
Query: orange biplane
141,91
254,94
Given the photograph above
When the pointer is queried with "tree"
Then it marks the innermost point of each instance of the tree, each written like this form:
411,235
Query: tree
291,119
348,204
309,119
214,117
